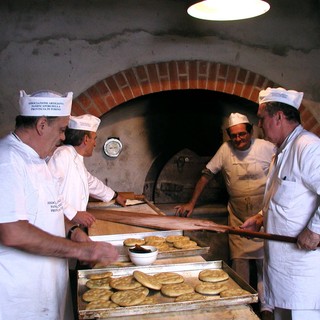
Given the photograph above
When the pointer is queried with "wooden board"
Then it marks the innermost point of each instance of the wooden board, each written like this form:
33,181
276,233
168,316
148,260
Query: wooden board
180,223
152,221
102,227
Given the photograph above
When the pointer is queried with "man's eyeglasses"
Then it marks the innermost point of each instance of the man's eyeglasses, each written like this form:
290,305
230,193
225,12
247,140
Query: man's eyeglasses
241,135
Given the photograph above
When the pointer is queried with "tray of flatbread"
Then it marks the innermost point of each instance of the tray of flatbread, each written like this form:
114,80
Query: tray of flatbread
118,292
173,243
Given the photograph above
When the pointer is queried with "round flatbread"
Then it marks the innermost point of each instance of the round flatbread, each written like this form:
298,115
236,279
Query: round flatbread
163,247
101,304
97,294
213,275
185,244
144,290
124,283
154,239
147,280
168,277
234,293
210,288
131,242
120,264
177,289
190,297
103,283
174,238
128,298
148,300
97,276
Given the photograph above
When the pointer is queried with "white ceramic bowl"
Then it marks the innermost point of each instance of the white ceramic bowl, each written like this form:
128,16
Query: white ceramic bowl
143,259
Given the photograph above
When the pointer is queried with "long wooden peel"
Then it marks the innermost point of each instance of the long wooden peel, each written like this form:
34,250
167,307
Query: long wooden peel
181,223
148,220
252,234
153,207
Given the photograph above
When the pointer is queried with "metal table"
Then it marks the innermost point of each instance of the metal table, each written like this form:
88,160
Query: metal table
226,312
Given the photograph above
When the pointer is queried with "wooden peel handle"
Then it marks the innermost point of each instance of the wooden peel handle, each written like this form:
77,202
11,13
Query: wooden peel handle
262,235
256,234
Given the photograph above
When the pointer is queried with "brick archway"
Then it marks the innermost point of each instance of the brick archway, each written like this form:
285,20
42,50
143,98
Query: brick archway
174,75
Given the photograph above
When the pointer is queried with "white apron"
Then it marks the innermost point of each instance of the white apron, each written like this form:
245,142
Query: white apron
33,287
246,189
292,203
245,173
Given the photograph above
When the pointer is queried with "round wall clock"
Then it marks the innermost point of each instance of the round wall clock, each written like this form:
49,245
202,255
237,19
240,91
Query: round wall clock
112,147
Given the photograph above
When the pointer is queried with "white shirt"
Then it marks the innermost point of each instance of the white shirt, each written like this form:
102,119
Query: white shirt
31,286
76,183
245,174
292,275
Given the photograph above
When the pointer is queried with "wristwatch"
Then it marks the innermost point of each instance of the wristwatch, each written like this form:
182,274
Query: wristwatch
115,195
71,231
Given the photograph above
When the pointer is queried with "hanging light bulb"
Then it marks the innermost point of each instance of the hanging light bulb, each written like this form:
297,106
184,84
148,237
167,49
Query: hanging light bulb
224,10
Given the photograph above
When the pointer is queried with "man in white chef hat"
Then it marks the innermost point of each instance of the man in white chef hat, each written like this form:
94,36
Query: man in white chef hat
244,163
33,244
291,208
67,165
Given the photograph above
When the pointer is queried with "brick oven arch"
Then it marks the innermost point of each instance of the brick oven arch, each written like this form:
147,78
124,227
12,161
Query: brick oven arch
175,75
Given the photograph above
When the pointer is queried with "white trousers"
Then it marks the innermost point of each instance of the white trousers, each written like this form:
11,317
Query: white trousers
285,314
242,268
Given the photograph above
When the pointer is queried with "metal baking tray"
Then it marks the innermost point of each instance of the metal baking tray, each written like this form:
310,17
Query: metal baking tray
117,241
189,271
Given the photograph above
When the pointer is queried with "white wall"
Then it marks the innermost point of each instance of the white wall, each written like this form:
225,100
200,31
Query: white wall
70,45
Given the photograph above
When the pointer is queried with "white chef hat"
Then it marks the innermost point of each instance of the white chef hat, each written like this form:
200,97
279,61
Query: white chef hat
45,103
290,97
85,122
237,118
